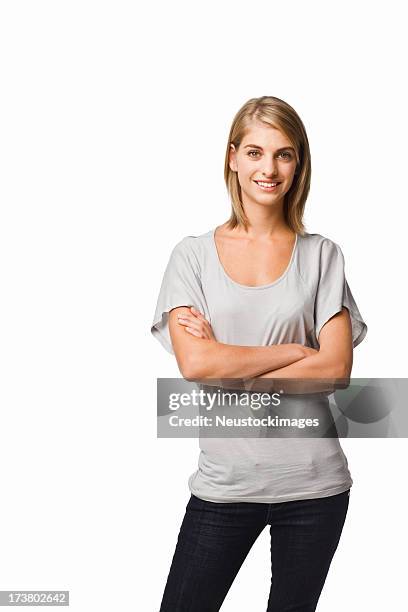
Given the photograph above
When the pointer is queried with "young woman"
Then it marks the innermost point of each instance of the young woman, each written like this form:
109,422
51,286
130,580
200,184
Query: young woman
260,297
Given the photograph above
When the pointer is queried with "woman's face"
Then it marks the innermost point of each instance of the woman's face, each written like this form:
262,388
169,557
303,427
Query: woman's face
266,155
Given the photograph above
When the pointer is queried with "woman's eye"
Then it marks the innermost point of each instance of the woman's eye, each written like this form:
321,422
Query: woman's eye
285,154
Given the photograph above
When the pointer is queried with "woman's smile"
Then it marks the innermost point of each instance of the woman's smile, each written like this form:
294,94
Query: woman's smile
267,185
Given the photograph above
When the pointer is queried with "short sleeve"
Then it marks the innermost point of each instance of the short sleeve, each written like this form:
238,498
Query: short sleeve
181,286
333,292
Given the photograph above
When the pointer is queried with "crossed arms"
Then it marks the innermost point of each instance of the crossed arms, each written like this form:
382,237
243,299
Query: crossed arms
201,357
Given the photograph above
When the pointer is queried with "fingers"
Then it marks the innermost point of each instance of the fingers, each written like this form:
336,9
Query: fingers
194,332
198,327
197,313
196,324
191,325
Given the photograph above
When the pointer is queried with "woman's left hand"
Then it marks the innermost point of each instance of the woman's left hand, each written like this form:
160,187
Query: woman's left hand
196,324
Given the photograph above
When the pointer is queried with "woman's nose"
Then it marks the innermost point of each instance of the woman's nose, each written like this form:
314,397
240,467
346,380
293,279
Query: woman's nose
270,167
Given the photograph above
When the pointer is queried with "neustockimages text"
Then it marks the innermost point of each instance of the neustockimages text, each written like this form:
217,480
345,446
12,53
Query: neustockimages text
222,421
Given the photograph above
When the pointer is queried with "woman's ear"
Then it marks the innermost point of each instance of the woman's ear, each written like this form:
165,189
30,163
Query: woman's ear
232,158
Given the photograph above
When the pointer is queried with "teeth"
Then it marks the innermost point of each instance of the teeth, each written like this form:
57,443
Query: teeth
266,184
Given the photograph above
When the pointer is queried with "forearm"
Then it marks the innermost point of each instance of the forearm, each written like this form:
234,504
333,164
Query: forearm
214,359
313,374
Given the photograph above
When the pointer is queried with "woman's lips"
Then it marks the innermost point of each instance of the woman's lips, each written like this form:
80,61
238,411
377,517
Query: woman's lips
266,187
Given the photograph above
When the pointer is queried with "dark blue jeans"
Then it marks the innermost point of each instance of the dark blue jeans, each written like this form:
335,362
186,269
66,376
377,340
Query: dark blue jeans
215,539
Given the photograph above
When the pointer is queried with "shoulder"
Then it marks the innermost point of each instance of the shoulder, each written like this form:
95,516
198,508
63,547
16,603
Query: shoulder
319,255
192,249
317,239
317,245
194,242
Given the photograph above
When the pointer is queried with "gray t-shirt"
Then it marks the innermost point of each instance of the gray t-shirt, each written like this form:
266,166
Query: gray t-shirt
292,309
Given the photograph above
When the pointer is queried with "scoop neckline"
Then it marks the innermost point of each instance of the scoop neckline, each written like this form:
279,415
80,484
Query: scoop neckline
251,287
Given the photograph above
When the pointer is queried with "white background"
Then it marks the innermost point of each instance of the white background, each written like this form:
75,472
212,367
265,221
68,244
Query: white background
114,124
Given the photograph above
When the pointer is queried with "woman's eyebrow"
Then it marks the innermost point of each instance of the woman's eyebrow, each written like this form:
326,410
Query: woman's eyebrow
258,147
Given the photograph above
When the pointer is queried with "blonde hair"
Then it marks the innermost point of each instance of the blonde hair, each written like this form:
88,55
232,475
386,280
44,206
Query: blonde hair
278,114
